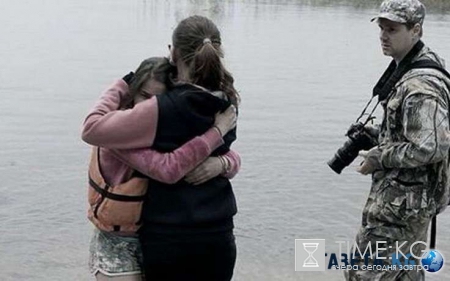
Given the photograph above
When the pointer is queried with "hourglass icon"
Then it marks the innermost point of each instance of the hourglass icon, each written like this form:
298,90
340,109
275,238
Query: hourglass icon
310,260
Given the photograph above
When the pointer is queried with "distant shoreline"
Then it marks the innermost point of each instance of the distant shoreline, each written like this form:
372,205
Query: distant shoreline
435,6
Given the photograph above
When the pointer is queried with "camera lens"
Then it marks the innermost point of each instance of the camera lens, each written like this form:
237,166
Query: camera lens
336,164
344,156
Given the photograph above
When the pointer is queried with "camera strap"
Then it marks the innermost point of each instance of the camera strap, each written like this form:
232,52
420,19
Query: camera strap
394,73
364,112
390,77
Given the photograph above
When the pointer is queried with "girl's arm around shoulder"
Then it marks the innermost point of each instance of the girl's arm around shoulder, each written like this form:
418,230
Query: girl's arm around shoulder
172,166
109,127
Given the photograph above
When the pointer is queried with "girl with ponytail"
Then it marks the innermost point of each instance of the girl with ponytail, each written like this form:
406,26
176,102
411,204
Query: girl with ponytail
188,231
197,53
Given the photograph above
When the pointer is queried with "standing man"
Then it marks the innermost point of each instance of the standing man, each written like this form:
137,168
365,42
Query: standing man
410,166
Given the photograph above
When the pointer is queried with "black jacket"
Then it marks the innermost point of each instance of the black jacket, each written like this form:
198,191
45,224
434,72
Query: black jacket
185,112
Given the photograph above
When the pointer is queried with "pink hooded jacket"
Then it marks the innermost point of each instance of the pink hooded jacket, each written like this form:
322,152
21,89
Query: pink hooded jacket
125,137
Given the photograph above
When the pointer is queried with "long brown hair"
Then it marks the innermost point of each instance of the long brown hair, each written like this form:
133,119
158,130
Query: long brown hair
197,42
157,68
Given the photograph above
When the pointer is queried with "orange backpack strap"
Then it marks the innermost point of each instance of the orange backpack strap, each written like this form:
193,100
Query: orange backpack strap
95,174
117,197
98,183
96,179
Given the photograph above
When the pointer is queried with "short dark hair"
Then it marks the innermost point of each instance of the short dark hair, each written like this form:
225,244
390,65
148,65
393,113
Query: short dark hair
410,25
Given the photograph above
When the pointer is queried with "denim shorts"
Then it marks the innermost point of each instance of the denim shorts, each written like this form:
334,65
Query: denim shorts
114,255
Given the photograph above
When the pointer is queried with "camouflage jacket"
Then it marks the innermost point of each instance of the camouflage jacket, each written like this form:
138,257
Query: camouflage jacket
415,138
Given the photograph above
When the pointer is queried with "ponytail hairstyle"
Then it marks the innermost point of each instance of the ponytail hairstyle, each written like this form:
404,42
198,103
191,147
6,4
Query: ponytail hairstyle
196,41
157,68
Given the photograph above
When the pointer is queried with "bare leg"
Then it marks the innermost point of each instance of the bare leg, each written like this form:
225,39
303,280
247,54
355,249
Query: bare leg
101,277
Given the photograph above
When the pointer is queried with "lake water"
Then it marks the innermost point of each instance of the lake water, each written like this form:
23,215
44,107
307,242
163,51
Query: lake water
304,71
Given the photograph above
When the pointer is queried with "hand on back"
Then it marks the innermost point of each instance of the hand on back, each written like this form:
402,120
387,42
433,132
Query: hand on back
226,121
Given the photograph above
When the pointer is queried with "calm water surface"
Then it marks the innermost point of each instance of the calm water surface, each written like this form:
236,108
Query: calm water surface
304,72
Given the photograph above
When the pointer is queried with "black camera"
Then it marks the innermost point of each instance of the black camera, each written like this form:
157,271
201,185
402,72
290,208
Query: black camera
358,139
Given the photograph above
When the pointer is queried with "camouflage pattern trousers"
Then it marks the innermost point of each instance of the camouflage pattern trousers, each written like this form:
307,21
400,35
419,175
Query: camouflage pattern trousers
392,221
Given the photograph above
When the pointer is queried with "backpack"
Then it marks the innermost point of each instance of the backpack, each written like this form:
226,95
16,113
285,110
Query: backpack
441,193
114,208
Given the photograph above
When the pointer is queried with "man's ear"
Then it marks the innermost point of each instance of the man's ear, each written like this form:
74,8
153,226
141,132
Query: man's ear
417,30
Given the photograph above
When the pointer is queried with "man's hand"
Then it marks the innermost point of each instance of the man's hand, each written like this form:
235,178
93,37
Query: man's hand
373,130
372,161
